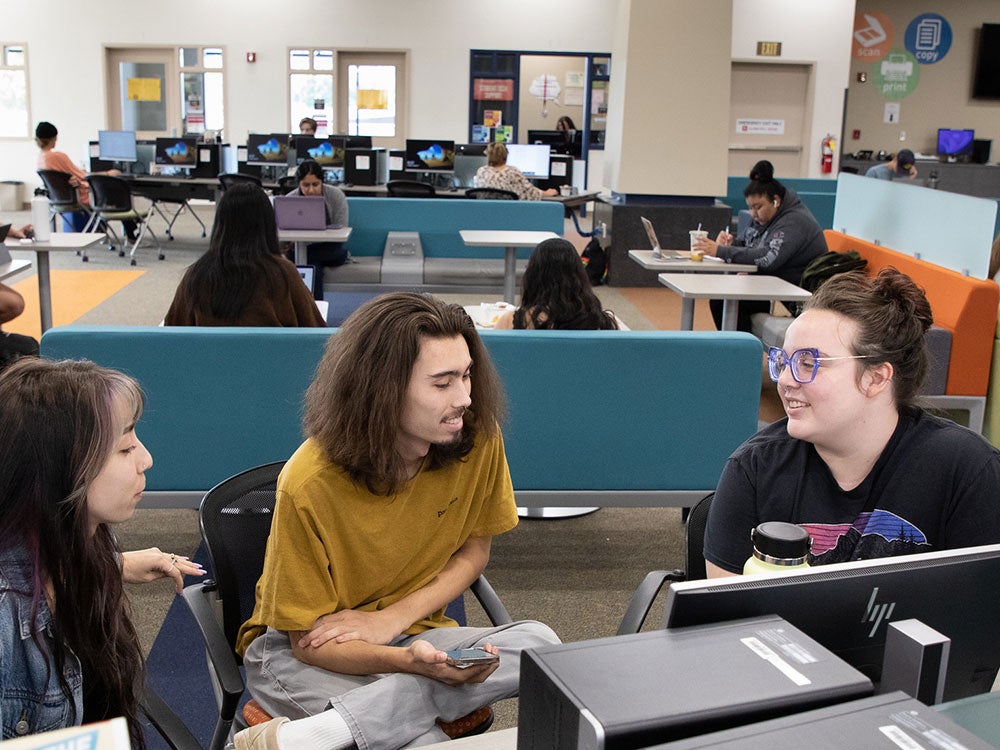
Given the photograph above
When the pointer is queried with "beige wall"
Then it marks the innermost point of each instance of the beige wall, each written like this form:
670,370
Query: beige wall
943,96
664,136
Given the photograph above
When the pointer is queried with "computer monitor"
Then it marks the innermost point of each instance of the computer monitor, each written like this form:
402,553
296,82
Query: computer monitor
116,145
846,607
531,158
429,156
267,149
358,141
955,142
177,152
556,139
327,152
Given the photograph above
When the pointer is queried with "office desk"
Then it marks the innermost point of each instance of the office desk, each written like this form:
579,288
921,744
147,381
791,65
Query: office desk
60,242
980,714
730,288
509,240
14,267
180,190
505,739
573,201
302,237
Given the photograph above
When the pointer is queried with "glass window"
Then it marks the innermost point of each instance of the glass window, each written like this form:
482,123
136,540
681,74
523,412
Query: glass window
14,121
371,100
310,88
202,88
212,58
189,57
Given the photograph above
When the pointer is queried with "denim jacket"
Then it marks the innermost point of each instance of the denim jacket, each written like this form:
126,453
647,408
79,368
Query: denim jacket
31,699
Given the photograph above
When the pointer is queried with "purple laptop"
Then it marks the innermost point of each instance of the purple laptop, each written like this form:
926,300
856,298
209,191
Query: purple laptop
300,212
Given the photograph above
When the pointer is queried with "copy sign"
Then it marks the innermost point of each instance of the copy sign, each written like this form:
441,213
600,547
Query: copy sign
928,38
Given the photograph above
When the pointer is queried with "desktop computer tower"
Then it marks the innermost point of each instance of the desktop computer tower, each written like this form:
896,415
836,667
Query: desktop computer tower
209,160
634,691
366,166
981,150
397,165
97,164
560,172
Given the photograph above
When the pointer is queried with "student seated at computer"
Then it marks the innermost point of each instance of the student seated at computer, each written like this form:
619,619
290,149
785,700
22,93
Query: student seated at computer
856,462
899,167
556,293
46,135
499,175
782,239
310,178
307,126
242,280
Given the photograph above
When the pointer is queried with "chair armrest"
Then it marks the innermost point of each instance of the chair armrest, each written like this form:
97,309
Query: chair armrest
220,653
490,602
642,600
166,722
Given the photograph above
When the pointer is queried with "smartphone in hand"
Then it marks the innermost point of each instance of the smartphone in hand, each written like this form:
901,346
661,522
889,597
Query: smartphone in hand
463,658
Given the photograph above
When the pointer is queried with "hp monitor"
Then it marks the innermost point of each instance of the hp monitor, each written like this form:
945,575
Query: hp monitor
531,158
955,142
267,149
117,145
177,152
846,607
358,141
429,156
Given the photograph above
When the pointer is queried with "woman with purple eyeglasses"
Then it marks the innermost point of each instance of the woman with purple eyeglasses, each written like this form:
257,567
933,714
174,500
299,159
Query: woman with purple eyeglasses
857,462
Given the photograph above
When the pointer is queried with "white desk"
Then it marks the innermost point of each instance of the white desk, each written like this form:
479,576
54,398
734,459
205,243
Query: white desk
60,241
302,237
730,288
504,739
509,240
14,267
645,259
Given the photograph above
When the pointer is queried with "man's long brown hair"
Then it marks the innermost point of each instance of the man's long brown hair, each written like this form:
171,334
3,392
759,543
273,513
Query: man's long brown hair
355,401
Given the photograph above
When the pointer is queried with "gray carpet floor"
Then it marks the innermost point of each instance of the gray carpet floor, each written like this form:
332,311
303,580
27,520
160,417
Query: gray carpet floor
574,574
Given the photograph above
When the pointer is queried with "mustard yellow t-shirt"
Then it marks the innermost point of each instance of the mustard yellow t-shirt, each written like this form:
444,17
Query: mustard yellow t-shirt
334,545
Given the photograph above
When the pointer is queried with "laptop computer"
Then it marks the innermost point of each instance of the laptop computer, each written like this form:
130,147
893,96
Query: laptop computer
300,212
659,252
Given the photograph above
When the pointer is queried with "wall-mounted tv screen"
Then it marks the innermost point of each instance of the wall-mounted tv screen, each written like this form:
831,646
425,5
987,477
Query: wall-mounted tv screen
267,148
177,152
530,158
955,142
986,83
430,156
117,145
327,152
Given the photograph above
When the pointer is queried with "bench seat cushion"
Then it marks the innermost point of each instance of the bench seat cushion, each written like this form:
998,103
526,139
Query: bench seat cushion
357,270
467,271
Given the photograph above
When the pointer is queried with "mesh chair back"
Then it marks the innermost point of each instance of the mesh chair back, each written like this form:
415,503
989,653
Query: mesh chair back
228,179
695,538
62,195
235,518
287,184
410,189
109,194
491,194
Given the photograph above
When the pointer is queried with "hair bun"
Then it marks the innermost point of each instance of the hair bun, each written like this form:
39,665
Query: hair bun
899,290
763,171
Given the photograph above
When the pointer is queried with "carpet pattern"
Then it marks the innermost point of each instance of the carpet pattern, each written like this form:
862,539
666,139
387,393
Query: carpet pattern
74,293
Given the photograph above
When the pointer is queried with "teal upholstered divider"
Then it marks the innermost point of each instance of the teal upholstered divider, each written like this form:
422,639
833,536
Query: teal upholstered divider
594,412
818,194
439,221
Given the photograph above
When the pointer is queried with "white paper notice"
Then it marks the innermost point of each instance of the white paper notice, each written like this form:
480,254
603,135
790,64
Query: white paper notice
395,163
362,162
760,126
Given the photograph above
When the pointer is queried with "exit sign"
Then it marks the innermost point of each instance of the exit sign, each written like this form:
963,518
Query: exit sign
769,49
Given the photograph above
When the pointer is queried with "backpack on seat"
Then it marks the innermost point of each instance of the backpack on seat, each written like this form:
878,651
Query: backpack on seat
825,266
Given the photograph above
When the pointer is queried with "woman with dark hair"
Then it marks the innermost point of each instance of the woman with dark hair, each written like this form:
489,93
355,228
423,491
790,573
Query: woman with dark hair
242,280
68,651
856,462
310,178
781,240
556,293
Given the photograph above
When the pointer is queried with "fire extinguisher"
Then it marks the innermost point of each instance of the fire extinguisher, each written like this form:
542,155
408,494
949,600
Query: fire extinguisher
828,146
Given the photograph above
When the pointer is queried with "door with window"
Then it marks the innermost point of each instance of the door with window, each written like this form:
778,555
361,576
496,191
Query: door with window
371,96
144,91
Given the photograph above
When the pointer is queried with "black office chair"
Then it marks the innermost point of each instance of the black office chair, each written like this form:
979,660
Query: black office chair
286,185
112,199
642,599
491,194
167,723
410,189
63,199
235,519
228,179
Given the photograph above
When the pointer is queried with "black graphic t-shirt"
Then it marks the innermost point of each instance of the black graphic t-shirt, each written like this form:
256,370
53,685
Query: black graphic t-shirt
935,486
